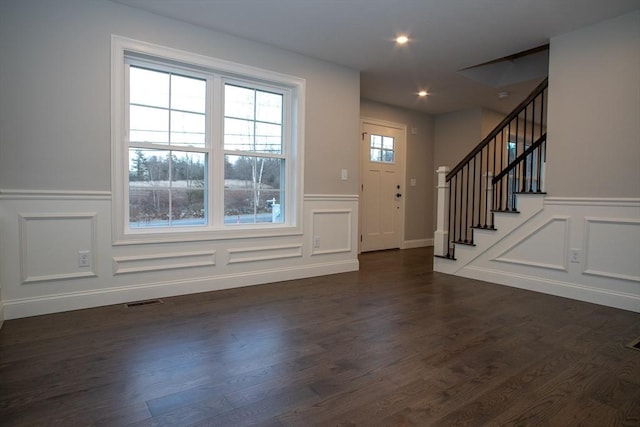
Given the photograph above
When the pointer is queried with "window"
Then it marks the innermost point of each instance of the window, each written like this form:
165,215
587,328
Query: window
254,155
382,149
202,148
168,149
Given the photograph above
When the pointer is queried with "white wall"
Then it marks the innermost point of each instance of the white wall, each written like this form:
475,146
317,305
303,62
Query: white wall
490,119
456,134
55,195
594,111
419,207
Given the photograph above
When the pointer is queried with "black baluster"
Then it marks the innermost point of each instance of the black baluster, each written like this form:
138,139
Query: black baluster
473,194
466,206
457,188
449,235
539,186
533,138
523,188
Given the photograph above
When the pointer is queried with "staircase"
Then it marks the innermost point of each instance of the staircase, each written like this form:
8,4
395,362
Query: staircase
495,188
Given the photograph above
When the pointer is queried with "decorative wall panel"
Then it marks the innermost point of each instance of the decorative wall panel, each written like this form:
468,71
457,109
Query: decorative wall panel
169,261
331,231
50,244
545,246
612,248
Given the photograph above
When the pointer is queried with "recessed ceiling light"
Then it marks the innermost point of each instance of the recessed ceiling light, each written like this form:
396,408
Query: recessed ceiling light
422,93
402,39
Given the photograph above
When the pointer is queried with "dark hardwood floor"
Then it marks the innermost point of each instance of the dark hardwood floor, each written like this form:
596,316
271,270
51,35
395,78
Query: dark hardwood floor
391,345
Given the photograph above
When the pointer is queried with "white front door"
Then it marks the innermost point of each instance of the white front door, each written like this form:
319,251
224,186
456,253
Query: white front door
381,205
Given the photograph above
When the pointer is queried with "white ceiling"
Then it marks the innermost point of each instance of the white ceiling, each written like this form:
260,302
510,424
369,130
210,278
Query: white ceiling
446,36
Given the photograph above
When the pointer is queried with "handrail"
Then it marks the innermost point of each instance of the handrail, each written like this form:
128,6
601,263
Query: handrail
521,157
499,128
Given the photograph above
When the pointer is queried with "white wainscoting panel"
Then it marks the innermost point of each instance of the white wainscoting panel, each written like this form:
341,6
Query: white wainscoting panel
331,231
265,253
41,233
603,235
612,248
50,243
545,246
158,262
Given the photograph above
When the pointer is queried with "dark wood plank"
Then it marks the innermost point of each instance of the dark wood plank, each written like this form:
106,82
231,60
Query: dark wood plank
393,344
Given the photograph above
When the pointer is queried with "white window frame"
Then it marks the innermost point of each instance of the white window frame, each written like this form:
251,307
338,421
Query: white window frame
218,71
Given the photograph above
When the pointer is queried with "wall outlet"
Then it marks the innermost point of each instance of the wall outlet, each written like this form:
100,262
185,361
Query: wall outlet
84,259
316,241
575,255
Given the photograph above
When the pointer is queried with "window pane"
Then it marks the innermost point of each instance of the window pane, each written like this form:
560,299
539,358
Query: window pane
253,190
148,87
238,134
148,124
268,107
188,94
188,188
376,141
187,207
166,188
268,138
239,102
148,188
187,129
382,149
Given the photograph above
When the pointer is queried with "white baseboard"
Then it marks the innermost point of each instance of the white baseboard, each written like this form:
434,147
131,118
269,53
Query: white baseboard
575,291
417,243
25,307
1,314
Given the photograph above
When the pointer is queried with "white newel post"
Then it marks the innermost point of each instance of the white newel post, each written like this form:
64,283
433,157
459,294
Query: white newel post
441,237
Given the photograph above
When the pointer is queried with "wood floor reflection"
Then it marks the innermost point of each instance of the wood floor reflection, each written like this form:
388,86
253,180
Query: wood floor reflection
394,344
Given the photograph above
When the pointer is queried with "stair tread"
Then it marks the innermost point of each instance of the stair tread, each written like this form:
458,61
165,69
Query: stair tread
463,243
475,227
445,257
542,193
509,211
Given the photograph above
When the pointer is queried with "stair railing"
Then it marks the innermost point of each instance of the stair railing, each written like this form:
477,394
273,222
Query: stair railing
509,160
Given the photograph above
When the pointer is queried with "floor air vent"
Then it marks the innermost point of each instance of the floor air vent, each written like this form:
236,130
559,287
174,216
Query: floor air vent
141,303
635,344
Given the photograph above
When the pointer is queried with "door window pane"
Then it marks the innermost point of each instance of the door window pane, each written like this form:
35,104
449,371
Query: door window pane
382,149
